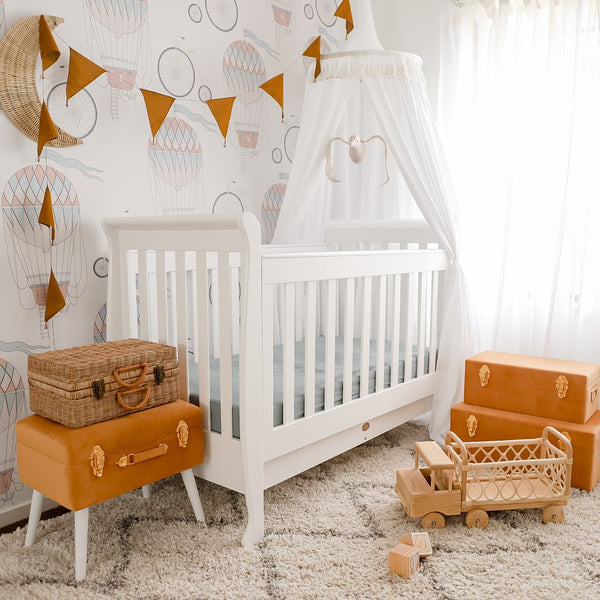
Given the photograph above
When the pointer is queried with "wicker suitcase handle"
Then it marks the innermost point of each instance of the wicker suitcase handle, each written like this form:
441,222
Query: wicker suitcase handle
143,402
131,384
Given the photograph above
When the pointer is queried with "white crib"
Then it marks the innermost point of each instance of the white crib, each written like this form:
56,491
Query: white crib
296,354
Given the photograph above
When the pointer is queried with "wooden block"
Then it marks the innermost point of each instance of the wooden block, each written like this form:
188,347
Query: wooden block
404,560
433,455
419,540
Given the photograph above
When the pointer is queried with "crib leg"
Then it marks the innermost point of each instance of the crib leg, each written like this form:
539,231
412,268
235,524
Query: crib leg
255,530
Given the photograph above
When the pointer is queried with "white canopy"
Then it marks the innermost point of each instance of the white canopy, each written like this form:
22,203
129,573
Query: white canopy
369,93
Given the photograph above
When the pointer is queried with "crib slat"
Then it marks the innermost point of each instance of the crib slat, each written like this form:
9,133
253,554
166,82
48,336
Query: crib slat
309,348
180,296
161,297
225,367
365,337
288,353
380,369
434,321
409,316
348,340
330,345
267,355
423,294
142,294
202,341
395,354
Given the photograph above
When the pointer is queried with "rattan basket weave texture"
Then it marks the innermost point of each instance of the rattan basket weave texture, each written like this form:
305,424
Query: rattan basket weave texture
83,385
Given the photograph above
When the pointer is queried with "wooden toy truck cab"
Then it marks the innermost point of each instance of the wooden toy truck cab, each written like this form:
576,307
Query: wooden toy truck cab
480,476
432,491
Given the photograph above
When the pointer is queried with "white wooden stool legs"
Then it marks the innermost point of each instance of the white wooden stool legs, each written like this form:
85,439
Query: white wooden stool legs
82,517
35,512
81,539
192,491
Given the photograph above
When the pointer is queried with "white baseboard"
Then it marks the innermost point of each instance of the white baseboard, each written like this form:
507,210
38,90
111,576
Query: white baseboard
21,511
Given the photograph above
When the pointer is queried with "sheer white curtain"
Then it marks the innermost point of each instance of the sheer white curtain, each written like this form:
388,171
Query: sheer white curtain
520,118
381,93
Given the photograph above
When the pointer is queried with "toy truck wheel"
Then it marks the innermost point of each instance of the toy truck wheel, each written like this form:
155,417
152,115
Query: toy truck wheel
553,514
433,520
477,518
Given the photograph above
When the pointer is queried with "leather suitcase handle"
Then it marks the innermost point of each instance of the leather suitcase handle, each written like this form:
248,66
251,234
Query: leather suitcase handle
132,459
143,401
131,384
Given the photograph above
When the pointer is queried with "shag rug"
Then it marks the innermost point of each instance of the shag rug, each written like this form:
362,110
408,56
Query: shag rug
328,535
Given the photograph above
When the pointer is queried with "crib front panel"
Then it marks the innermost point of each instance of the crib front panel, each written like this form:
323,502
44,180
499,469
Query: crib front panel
346,323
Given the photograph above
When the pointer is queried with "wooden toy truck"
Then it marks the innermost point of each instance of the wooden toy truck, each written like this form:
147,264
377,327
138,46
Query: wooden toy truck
476,477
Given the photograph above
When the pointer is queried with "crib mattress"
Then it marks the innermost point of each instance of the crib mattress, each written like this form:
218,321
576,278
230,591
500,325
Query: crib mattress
299,395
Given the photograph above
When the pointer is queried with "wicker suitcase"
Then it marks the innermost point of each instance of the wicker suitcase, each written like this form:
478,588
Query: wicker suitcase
81,467
544,387
88,384
479,423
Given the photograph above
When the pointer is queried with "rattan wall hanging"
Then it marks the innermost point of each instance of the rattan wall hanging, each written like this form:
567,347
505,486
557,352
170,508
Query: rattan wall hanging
19,97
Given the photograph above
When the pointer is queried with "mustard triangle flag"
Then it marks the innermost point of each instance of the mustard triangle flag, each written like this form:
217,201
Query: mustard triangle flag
47,214
221,110
345,12
55,301
274,87
47,131
314,51
48,48
82,71
157,106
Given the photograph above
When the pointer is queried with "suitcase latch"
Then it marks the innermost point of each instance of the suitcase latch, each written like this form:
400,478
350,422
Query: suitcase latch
484,375
159,374
562,385
98,388
471,425
183,433
97,461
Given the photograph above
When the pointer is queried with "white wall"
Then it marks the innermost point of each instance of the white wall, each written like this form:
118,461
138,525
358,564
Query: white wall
412,26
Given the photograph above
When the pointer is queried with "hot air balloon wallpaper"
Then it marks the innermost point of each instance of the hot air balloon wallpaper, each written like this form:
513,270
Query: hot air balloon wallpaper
29,249
119,41
284,13
244,71
13,406
270,208
175,157
99,330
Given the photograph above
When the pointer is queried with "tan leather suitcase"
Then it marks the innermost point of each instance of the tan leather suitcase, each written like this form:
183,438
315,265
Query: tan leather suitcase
544,387
87,465
83,385
479,423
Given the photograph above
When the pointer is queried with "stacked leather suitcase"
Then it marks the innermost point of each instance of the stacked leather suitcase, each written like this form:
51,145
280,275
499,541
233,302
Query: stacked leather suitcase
513,396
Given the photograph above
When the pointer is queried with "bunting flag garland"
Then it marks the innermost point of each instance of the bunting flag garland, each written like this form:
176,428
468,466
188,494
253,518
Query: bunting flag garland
47,214
47,131
221,109
55,301
157,106
48,48
314,51
82,71
345,12
274,87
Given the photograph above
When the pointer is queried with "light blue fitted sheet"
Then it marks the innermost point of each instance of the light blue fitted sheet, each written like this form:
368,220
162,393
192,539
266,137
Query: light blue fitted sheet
215,405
